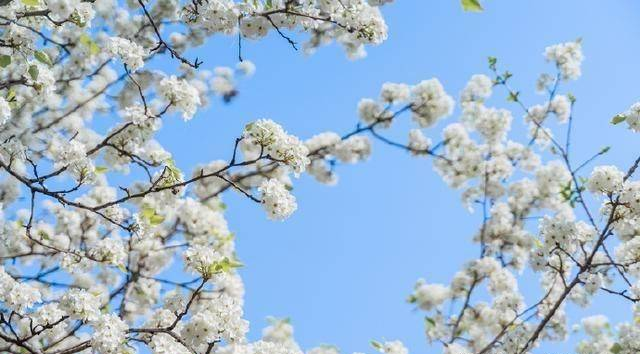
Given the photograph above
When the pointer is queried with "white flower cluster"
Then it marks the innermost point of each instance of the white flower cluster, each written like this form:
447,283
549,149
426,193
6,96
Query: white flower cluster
63,9
429,296
353,23
203,259
16,295
81,304
567,57
354,149
478,89
268,137
632,117
181,94
598,341
109,250
391,347
561,106
429,102
418,142
394,93
131,53
606,180
280,331
109,335
350,150
493,124
72,155
5,111
163,343
277,200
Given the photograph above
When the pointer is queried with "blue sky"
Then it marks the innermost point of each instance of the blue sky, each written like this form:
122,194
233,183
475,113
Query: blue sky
342,266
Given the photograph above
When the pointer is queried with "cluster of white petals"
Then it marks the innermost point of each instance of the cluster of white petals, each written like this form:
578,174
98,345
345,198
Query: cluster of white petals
267,137
278,202
568,57
131,53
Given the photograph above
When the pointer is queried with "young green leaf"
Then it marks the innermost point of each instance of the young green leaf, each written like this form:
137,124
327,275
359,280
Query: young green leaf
5,60
492,62
616,348
618,118
33,72
89,43
11,95
42,57
156,219
471,5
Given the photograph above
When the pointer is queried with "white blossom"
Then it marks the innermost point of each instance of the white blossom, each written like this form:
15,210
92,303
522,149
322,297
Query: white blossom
109,335
81,304
605,179
394,93
354,149
163,343
276,200
131,53
567,57
268,136
5,111
429,103
428,296
418,143
181,94
478,88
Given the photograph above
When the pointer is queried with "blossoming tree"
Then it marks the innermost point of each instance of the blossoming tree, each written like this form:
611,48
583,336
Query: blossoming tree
85,260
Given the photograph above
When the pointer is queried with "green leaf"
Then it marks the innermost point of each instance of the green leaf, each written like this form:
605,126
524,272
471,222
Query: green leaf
31,2
42,57
513,96
33,72
77,19
492,63
148,212
537,243
507,75
156,219
11,95
43,235
471,5
618,118
429,322
616,348
5,60
376,344
89,43
101,169
223,266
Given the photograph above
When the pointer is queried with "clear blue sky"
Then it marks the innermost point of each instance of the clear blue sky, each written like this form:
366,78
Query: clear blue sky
342,266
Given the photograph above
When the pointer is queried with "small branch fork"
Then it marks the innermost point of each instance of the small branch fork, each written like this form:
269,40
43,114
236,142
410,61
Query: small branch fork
163,44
